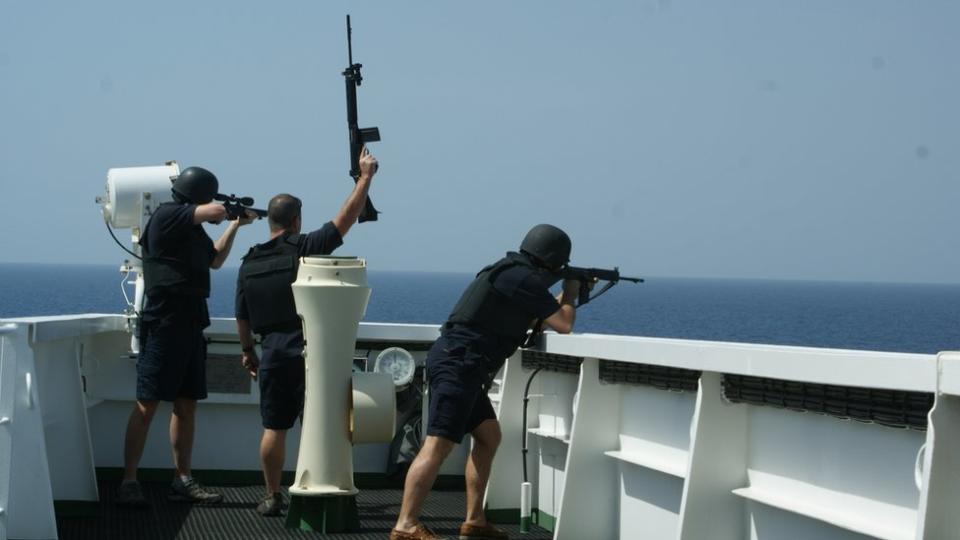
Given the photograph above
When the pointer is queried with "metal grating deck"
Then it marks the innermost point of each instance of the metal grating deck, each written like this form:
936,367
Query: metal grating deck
236,518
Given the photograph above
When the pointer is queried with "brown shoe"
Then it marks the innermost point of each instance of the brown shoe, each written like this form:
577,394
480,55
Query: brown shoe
420,533
482,532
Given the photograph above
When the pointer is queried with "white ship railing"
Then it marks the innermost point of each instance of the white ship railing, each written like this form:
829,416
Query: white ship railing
608,460
6,412
627,461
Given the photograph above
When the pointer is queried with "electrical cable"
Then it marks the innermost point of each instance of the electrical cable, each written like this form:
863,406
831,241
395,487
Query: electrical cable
526,400
123,247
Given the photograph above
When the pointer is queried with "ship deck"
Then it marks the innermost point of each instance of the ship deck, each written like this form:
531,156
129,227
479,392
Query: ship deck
235,517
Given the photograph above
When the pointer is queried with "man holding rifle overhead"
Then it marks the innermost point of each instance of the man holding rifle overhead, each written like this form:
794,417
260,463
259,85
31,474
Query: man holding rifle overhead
265,306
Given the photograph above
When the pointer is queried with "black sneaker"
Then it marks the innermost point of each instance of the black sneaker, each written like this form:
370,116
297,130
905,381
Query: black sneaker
191,491
271,505
129,495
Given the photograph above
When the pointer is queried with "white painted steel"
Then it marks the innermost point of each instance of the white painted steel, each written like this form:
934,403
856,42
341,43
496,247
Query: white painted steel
526,498
939,512
28,389
59,388
918,466
126,203
654,428
69,326
750,472
29,511
948,365
717,464
588,472
820,464
868,369
374,415
7,385
807,475
507,469
331,295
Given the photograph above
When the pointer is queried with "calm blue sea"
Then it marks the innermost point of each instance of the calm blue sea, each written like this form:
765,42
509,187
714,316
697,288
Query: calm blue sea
888,317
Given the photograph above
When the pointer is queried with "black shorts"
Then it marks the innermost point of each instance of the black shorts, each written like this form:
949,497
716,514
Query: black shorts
173,359
458,395
281,393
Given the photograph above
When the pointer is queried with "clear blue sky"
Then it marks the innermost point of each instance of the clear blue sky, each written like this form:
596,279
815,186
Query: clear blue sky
757,139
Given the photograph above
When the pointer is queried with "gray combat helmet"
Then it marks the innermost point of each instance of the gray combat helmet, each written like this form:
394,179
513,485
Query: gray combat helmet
548,244
196,185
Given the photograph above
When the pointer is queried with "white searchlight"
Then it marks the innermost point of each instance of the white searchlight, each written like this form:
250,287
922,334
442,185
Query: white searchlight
131,194
341,408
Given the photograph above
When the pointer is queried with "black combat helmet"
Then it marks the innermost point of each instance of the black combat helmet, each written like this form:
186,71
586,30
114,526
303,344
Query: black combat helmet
548,244
196,185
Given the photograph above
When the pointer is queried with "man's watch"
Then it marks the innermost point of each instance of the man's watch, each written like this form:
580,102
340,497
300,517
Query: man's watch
248,349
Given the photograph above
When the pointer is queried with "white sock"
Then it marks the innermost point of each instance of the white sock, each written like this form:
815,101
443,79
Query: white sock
185,478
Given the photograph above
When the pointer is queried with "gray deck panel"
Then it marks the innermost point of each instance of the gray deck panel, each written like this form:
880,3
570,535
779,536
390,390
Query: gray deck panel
235,517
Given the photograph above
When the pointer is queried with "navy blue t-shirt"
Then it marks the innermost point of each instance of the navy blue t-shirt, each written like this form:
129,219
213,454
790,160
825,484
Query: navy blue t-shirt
278,347
169,226
526,290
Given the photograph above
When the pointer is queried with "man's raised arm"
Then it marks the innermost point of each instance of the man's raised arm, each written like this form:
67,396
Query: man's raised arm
354,204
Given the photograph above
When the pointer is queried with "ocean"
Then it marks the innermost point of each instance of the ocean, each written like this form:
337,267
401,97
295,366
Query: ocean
921,318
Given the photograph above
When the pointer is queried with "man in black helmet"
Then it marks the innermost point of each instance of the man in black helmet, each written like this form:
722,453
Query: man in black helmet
177,258
487,325
265,306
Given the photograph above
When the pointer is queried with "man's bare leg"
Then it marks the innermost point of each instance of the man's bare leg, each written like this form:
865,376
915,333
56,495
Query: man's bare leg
138,425
423,472
272,453
486,439
181,434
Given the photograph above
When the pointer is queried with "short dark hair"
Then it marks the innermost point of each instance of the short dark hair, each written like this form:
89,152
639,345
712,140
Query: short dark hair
283,210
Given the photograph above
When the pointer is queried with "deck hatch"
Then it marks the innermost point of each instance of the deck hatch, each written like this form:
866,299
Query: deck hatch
893,408
661,377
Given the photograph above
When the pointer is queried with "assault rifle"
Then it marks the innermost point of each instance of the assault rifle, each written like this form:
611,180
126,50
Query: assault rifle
358,136
590,276
236,206
587,277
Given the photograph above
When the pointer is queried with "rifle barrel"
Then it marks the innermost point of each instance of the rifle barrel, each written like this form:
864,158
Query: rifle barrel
349,42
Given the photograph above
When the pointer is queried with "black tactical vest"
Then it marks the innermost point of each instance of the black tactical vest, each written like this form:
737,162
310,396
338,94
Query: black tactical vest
182,269
485,308
266,274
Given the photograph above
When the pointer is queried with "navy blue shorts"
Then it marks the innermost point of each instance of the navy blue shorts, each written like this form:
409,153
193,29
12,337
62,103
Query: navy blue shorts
281,393
173,359
458,396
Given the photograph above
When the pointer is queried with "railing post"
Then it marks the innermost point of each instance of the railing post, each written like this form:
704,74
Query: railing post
937,516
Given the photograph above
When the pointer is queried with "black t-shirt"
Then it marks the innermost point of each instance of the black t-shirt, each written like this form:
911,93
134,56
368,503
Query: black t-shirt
280,346
525,290
170,225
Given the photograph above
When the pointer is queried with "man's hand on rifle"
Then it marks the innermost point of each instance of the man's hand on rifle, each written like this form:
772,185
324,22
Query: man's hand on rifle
249,216
368,163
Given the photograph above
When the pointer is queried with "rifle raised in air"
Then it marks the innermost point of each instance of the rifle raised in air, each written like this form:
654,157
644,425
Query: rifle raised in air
358,136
